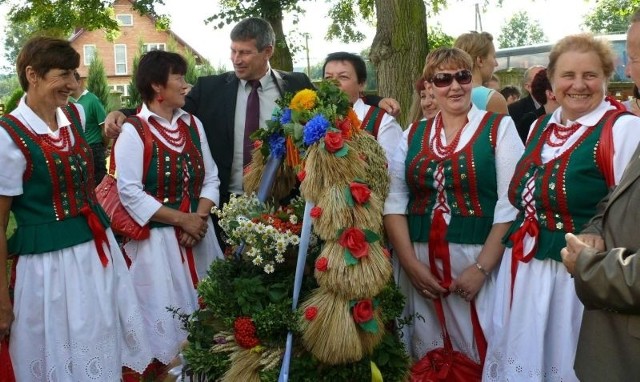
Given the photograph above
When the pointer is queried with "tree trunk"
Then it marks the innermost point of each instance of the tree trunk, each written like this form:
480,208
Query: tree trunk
281,59
399,49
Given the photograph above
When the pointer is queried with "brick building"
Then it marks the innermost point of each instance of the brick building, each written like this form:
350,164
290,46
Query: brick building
118,55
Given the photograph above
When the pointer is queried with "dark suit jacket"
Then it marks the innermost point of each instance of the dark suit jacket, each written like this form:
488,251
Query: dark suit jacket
524,124
213,101
608,284
518,109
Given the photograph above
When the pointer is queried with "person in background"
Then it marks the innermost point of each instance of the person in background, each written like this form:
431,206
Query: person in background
174,199
95,115
527,104
573,156
479,45
425,106
75,316
632,69
541,90
510,93
493,83
429,218
350,72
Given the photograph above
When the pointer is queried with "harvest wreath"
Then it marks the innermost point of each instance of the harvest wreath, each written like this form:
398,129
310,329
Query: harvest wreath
343,330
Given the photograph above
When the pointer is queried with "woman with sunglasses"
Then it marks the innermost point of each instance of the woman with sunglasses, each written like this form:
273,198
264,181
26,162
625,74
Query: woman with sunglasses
480,47
573,156
448,209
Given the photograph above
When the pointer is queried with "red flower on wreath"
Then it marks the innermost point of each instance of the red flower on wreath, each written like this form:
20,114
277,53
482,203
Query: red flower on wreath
244,331
363,311
344,125
360,192
301,175
333,141
316,212
355,241
322,264
310,313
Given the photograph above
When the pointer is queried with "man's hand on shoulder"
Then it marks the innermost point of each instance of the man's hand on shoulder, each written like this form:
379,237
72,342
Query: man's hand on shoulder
113,124
391,106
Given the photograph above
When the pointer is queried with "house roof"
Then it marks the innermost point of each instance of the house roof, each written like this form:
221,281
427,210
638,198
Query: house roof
199,57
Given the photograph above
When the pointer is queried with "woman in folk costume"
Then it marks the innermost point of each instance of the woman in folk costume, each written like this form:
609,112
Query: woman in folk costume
448,209
75,316
573,156
174,199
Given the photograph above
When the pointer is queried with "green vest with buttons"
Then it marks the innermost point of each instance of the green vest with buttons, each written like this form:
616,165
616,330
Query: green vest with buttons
56,185
470,183
567,188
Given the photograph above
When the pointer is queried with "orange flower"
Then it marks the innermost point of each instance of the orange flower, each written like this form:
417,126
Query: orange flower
355,122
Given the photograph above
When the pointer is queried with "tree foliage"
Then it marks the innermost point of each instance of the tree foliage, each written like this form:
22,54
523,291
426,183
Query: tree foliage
134,100
271,10
611,16
62,17
97,83
520,30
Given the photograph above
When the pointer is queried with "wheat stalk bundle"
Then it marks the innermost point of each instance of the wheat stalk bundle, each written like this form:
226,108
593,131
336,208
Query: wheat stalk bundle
332,336
361,280
329,170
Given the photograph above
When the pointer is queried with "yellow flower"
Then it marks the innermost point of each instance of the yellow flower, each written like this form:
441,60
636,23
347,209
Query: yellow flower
303,100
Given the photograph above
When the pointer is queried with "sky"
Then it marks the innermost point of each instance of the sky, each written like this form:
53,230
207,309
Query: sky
557,18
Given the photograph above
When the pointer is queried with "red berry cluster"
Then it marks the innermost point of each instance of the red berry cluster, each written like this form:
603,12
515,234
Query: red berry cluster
245,332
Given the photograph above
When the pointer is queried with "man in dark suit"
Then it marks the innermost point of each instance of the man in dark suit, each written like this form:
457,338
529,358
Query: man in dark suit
607,280
527,104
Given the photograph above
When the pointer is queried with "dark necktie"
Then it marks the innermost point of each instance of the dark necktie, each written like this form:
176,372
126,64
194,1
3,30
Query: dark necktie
252,120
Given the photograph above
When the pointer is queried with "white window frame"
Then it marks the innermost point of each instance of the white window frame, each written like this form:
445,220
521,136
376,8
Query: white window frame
156,45
123,89
86,57
115,59
121,22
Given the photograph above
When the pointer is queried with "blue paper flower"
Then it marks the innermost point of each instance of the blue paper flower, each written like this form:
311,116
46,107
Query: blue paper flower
276,145
315,129
286,116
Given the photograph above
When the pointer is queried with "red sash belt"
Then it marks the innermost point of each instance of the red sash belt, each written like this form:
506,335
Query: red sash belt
439,249
188,252
529,227
99,233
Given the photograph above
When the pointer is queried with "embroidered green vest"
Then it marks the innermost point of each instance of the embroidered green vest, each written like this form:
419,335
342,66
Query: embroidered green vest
168,169
372,120
56,185
470,183
567,188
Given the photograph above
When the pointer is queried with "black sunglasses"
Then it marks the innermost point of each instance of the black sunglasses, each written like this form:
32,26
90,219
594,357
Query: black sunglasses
442,80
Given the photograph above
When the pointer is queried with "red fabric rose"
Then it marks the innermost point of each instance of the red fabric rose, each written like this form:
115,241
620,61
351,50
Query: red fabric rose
301,175
333,141
363,311
316,212
322,264
310,313
354,240
361,192
344,125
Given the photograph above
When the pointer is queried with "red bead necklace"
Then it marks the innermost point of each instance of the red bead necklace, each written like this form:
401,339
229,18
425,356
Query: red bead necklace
440,148
169,135
561,134
63,141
